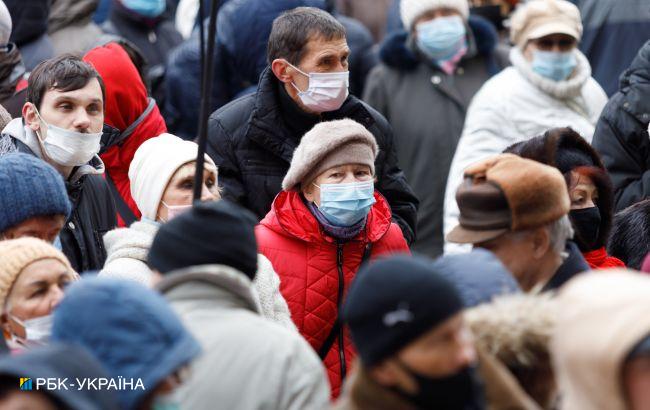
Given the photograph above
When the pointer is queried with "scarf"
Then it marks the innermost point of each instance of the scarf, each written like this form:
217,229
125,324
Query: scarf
599,259
342,233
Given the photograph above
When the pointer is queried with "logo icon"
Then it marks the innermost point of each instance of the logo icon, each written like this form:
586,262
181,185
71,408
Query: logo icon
25,383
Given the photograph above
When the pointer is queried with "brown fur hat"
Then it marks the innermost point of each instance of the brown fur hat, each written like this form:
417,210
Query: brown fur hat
535,195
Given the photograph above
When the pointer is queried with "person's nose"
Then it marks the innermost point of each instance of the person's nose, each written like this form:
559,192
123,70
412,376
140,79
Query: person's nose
349,177
82,120
466,350
56,297
207,194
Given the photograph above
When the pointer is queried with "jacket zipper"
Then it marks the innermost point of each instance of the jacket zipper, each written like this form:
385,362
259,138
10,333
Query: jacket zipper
339,302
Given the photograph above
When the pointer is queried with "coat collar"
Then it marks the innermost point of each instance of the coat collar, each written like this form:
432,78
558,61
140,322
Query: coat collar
290,216
226,286
361,392
562,90
268,123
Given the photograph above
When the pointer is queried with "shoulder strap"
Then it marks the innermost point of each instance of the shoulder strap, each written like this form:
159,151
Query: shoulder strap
123,209
329,341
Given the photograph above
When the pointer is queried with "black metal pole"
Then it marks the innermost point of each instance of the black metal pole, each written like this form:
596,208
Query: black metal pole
206,94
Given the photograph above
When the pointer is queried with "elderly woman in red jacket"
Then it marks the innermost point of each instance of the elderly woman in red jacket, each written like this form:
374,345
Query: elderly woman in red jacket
327,221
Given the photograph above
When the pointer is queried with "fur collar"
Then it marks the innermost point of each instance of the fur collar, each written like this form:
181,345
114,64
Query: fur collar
562,90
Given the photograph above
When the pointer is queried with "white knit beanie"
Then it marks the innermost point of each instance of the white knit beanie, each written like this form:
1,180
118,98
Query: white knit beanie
5,24
412,9
153,166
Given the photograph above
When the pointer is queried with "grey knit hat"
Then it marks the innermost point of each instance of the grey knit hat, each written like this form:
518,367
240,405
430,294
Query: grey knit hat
327,145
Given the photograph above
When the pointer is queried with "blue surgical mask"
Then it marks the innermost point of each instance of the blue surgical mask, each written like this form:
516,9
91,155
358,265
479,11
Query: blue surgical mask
441,38
554,65
146,8
346,204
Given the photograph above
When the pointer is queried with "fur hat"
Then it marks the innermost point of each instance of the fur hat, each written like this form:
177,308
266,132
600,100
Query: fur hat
566,150
630,232
327,145
538,18
508,193
410,10
17,254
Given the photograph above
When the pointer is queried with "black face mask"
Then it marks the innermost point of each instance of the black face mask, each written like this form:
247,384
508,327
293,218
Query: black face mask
461,391
490,13
586,222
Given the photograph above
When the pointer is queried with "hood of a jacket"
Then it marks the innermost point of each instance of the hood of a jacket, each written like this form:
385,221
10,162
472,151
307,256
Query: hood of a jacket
603,316
223,286
65,13
126,101
396,53
17,130
29,19
60,361
635,85
516,330
247,48
290,216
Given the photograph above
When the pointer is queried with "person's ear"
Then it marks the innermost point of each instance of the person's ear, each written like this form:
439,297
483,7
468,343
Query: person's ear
308,192
5,325
541,242
282,70
30,116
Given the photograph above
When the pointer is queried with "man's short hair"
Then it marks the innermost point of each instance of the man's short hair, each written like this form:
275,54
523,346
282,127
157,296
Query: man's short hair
293,29
64,73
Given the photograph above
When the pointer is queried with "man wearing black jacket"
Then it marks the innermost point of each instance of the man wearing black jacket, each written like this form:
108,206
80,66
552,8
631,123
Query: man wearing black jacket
252,139
62,124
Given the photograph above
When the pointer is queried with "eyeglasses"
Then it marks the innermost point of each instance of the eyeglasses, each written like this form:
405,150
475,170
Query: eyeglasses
547,44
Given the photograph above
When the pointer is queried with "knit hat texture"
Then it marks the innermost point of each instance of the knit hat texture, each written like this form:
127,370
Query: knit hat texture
211,233
327,145
394,301
29,187
410,10
153,166
17,254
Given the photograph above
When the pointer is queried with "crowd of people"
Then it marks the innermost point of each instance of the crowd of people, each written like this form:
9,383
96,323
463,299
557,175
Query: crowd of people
404,204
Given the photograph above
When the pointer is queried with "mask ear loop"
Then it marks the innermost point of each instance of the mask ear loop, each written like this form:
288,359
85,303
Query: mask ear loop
303,73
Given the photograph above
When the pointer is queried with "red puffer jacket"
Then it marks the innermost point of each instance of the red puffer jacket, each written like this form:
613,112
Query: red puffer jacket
126,102
315,271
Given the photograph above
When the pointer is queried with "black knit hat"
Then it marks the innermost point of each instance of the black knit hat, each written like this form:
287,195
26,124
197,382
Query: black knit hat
394,301
210,233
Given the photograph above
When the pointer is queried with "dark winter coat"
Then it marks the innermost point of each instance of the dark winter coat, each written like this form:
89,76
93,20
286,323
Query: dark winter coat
240,59
29,30
153,38
609,24
426,108
621,136
252,140
93,214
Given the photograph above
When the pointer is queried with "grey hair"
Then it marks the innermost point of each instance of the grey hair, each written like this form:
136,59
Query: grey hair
560,231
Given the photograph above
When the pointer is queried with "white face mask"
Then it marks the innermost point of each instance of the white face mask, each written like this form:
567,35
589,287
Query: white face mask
37,332
69,148
326,91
